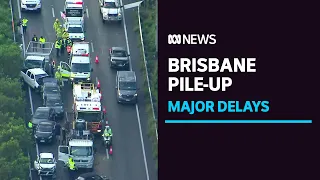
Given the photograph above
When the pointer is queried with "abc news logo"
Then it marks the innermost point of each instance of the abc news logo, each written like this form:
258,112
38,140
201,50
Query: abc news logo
191,39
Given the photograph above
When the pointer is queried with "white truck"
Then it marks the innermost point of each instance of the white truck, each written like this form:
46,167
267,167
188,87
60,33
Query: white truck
33,77
79,68
74,11
38,55
31,5
75,30
87,106
45,165
110,11
81,150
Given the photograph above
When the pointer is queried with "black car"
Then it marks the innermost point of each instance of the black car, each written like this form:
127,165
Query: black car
91,176
45,132
50,87
43,114
55,101
119,58
126,87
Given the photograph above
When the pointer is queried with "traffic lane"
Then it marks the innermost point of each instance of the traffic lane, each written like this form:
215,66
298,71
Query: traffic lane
127,161
40,24
137,64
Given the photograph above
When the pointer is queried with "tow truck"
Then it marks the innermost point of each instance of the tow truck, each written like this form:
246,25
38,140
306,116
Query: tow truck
79,145
87,106
79,67
38,55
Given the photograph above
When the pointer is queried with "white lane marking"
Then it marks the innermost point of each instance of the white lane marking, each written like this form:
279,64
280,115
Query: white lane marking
92,49
52,9
32,111
137,107
87,12
107,153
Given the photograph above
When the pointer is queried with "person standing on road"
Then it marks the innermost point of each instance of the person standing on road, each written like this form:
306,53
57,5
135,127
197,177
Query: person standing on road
30,125
24,23
58,47
62,42
58,132
63,135
72,168
58,77
52,66
56,25
42,40
34,43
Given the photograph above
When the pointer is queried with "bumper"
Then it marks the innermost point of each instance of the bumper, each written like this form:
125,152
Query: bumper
84,166
112,19
120,66
30,8
128,100
46,173
77,80
44,140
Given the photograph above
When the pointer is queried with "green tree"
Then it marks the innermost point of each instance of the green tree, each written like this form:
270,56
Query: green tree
13,163
11,62
11,87
16,105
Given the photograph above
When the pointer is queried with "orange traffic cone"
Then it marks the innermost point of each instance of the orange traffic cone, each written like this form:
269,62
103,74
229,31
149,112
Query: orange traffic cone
97,60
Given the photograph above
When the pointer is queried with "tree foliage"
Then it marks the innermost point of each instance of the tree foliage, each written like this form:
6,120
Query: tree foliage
15,139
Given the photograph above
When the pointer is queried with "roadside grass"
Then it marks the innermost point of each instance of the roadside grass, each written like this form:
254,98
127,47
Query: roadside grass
148,16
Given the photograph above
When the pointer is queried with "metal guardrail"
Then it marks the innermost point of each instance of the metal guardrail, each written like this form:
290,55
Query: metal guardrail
146,68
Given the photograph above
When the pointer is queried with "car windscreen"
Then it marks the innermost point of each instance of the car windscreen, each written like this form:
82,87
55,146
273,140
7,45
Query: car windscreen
46,161
54,102
75,30
117,53
90,117
38,76
81,151
110,5
33,64
41,114
74,12
127,86
45,128
51,89
80,67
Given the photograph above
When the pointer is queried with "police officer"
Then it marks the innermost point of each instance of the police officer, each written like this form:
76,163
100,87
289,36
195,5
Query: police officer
72,168
30,125
35,41
58,76
42,40
52,66
58,47
63,45
59,32
24,23
56,25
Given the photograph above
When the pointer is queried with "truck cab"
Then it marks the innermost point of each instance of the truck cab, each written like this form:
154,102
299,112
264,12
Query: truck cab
33,77
31,5
80,150
110,11
79,68
34,62
74,10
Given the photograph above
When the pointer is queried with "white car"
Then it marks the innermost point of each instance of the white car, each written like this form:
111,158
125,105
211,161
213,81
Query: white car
33,77
110,10
75,31
30,5
45,165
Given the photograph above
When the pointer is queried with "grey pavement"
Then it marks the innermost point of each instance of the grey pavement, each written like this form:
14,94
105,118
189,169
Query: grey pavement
127,162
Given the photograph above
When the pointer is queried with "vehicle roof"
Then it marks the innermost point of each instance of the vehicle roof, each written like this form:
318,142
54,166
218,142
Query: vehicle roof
53,96
37,71
38,58
80,142
71,1
80,91
109,0
118,49
80,45
129,76
74,6
46,155
50,84
75,24
80,59
43,108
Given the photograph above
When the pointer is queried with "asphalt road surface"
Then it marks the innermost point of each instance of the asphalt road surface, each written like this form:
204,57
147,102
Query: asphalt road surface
131,154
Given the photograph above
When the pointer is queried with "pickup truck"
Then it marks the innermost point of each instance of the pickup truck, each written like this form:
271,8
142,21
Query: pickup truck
33,77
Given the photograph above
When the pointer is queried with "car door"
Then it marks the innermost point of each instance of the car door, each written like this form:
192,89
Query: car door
65,70
63,153
27,78
32,80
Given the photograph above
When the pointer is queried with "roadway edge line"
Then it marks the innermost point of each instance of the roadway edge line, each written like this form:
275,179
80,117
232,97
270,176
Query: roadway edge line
137,107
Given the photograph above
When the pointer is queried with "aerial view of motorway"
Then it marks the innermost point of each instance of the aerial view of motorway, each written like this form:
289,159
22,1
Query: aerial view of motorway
98,34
